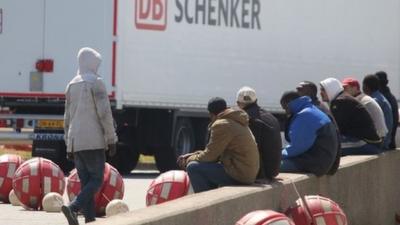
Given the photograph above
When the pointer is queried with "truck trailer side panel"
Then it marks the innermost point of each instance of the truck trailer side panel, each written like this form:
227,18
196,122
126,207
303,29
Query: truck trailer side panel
197,52
54,30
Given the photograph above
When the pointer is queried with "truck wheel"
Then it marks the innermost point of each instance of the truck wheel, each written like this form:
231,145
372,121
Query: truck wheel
184,142
53,149
126,159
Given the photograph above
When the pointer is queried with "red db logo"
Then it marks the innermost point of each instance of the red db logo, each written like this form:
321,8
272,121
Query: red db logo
151,14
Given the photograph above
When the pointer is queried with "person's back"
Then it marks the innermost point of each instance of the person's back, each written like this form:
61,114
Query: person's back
88,133
85,130
353,119
385,90
371,88
89,123
376,113
266,130
310,89
355,124
352,87
313,140
232,142
231,155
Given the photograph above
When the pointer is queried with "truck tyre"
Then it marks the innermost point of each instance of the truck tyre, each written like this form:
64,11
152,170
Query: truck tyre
183,142
126,158
54,150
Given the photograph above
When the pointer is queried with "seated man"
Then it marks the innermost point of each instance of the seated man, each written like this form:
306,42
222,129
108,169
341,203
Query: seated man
313,141
385,90
352,87
308,88
231,155
371,88
266,130
358,133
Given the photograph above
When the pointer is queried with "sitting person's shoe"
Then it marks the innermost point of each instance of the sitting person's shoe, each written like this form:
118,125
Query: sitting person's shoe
70,215
89,220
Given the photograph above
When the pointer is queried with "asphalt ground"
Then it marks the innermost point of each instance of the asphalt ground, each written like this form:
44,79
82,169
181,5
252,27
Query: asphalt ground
136,185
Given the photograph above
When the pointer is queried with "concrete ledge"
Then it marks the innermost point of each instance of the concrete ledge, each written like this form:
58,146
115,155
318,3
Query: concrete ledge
366,187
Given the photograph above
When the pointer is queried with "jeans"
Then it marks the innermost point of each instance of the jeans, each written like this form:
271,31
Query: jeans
355,146
366,149
206,176
288,166
90,167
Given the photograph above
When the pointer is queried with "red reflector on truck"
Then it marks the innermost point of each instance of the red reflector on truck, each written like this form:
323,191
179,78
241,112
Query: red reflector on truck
19,123
3,123
45,65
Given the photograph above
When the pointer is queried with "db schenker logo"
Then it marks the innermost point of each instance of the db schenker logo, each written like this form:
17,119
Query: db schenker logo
242,14
151,14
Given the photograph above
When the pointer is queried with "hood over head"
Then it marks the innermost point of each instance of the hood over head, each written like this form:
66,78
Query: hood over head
332,87
89,61
237,115
299,104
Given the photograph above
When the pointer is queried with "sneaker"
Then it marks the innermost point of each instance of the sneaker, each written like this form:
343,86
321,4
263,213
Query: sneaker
89,220
70,215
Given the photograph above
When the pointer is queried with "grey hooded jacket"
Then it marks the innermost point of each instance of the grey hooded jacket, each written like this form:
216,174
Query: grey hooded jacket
88,122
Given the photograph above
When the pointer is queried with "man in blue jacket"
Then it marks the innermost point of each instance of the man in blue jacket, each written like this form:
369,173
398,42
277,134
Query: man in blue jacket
313,141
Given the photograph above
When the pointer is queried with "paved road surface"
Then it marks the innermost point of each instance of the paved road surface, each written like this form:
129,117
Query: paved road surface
135,191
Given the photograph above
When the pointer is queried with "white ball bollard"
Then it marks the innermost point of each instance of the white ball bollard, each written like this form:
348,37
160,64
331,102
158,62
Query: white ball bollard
115,207
13,199
52,202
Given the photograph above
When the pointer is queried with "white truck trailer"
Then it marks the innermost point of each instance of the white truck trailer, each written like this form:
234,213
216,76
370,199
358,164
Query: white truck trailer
163,60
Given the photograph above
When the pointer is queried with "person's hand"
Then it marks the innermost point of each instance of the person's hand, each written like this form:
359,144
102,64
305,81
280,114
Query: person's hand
181,161
112,150
70,156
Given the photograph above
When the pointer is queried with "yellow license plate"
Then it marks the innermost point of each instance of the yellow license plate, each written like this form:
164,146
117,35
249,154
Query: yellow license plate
50,124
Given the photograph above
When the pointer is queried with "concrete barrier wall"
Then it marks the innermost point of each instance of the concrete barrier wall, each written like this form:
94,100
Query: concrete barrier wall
366,187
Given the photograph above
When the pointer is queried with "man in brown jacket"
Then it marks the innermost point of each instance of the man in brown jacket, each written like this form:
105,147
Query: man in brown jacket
230,157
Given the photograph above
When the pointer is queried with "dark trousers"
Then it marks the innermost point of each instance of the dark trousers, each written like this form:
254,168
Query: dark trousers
354,146
90,167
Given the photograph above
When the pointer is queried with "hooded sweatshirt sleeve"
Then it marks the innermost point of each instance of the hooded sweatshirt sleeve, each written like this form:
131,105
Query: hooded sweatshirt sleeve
104,111
66,115
219,139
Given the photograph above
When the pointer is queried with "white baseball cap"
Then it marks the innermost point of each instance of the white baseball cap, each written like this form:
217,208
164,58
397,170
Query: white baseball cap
246,95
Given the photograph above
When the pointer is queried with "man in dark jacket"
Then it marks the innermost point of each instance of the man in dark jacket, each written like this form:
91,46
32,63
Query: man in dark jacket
266,130
358,133
385,90
313,141
308,88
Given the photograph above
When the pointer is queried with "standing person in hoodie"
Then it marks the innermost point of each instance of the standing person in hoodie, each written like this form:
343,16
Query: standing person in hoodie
313,140
266,130
358,133
385,90
371,88
231,155
89,132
